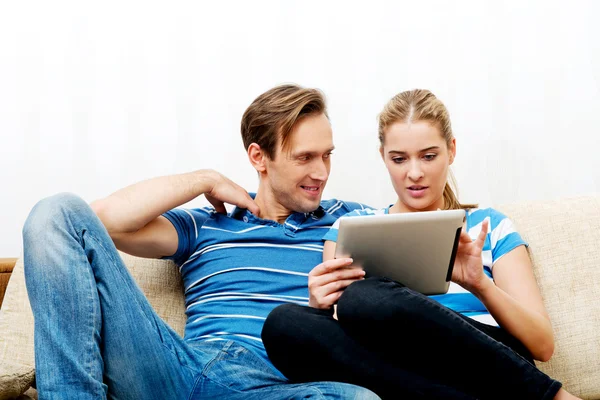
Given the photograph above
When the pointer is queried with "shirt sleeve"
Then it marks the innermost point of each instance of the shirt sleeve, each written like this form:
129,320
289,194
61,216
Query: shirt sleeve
504,236
332,233
187,223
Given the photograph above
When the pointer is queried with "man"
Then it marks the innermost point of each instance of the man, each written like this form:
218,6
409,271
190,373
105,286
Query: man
96,335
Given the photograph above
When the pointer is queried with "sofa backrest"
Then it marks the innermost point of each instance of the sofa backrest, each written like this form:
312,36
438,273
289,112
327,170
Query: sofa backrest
564,239
563,236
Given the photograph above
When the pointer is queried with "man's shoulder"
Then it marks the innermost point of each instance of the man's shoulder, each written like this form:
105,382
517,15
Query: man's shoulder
338,207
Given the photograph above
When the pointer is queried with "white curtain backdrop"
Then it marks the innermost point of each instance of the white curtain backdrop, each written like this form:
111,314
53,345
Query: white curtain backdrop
98,95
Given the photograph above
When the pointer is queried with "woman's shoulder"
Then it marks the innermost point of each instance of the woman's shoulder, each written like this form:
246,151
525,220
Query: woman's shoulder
476,216
366,211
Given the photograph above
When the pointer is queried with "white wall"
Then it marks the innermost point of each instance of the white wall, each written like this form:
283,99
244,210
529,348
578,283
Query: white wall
97,96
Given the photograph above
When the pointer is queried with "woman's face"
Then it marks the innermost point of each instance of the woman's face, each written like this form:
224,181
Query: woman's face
417,158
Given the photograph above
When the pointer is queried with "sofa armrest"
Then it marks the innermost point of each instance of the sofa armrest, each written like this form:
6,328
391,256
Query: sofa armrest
6,268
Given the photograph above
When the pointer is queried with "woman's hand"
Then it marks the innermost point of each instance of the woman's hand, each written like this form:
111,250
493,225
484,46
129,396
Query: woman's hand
327,281
468,266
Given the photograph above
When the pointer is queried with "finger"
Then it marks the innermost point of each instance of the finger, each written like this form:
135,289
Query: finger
482,234
316,282
217,204
250,204
327,301
332,299
334,287
330,265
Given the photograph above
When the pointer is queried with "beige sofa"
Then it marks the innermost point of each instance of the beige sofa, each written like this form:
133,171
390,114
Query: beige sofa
564,238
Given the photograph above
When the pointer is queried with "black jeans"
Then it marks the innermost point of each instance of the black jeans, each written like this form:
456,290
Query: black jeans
402,344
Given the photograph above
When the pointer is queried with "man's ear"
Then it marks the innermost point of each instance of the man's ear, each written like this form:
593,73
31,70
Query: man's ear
257,157
452,151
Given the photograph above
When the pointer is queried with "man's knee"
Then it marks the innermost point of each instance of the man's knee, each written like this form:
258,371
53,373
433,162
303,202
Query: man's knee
49,212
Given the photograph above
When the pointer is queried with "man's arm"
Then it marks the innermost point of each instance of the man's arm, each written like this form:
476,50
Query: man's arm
133,215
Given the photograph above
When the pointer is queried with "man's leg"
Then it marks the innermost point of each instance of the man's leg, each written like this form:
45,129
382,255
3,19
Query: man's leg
308,345
92,323
237,373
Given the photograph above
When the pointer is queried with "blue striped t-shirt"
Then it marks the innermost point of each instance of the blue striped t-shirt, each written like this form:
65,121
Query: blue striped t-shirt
501,239
236,268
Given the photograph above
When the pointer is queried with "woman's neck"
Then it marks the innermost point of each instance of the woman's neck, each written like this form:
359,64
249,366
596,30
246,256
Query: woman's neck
400,207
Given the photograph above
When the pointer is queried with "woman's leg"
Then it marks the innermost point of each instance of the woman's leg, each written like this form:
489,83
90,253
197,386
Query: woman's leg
308,345
417,333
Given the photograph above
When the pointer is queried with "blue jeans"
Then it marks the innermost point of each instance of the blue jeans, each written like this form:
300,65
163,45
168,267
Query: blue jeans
96,335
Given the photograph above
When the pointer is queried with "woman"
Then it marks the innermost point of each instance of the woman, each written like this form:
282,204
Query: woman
402,344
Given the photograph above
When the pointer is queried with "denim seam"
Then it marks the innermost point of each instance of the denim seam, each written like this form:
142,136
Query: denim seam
92,317
196,383
272,388
73,221
220,355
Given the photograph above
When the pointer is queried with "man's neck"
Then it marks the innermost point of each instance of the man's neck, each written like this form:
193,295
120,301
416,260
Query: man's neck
269,208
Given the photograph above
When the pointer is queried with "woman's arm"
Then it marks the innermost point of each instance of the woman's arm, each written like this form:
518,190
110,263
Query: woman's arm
514,300
516,304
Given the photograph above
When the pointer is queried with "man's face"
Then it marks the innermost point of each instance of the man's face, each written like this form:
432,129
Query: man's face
298,174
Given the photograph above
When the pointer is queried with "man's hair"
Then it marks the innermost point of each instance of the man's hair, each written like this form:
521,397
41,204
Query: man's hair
271,117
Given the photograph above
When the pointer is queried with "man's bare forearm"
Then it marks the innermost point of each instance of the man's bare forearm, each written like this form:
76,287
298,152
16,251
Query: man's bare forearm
131,208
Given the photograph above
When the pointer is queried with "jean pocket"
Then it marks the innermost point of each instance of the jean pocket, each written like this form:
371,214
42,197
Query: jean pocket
240,369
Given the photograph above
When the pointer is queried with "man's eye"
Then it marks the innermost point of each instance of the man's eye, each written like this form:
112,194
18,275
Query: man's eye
304,158
327,155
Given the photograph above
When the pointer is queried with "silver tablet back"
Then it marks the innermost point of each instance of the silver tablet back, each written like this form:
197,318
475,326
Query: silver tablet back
416,249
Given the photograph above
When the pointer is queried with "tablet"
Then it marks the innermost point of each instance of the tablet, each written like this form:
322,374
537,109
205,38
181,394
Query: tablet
417,249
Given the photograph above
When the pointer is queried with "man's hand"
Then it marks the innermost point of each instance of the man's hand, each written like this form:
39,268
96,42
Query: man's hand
468,266
327,281
223,190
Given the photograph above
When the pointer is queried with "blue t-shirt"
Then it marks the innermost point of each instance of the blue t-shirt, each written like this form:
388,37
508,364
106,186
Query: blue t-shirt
236,268
501,239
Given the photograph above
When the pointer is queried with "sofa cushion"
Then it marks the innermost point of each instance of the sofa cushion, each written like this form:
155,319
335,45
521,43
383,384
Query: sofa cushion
563,237
159,280
16,337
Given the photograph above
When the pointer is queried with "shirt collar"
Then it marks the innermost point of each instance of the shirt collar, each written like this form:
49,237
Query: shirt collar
239,214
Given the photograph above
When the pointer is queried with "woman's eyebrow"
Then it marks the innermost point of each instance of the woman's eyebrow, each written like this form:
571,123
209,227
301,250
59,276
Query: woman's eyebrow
420,151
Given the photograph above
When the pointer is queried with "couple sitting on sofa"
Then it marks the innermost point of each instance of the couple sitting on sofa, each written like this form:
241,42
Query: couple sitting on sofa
261,283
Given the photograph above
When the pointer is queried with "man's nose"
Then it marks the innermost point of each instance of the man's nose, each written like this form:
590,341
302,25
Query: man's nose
320,171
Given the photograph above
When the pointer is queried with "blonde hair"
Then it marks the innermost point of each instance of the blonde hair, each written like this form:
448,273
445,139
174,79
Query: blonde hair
270,118
422,105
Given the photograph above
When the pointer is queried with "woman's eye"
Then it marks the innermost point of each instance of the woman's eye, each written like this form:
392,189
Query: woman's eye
398,160
429,157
